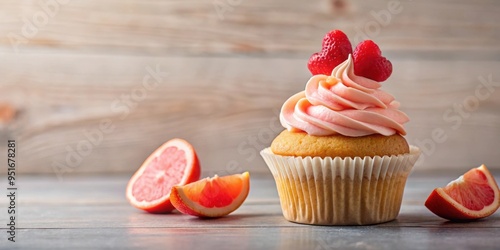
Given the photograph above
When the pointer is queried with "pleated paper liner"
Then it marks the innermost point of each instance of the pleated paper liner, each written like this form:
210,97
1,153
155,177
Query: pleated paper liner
336,191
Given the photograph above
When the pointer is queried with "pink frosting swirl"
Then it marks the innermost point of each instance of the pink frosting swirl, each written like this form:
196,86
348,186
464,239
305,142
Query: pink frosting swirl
343,103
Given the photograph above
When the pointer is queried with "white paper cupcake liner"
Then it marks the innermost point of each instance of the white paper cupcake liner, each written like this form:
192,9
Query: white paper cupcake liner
336,191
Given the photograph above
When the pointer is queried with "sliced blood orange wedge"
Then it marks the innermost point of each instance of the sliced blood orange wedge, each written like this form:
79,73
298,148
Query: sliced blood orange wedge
473,195
211,197
173,163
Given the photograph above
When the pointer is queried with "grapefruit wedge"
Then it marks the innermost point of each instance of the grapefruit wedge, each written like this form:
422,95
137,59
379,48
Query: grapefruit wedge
173,163
211,197
474,195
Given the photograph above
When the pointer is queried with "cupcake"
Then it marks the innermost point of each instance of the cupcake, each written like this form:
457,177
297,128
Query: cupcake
342,158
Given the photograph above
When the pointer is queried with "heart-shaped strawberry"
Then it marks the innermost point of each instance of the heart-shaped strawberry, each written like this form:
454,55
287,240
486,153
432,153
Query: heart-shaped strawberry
336,49
369,62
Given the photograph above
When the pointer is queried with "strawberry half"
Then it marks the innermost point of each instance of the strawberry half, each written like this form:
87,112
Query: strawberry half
336,49
369,62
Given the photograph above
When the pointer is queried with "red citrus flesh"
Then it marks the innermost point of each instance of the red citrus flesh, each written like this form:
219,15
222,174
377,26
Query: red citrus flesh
474,195
211,197
173,163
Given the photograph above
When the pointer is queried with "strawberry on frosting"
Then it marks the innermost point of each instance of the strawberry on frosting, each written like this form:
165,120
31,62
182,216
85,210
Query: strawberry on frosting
369,62
335,49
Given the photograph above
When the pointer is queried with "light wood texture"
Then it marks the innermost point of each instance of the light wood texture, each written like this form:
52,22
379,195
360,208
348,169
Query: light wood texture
218,114
254,27
227,78
92,212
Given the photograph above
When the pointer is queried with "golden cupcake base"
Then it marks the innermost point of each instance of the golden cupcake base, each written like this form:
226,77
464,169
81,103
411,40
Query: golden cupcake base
340,191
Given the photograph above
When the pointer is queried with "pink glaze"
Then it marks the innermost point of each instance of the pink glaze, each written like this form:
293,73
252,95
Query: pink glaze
343,103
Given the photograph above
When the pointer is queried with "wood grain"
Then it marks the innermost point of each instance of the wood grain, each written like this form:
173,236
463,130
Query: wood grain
227,78
227,107
252,27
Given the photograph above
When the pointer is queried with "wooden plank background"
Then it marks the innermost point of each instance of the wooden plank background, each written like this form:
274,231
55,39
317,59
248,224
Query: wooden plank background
68,68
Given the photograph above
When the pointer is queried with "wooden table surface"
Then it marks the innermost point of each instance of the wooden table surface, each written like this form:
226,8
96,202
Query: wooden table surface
91,212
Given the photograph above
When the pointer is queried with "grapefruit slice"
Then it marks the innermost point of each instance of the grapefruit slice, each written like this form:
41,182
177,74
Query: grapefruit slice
173,163
211,197
474,195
